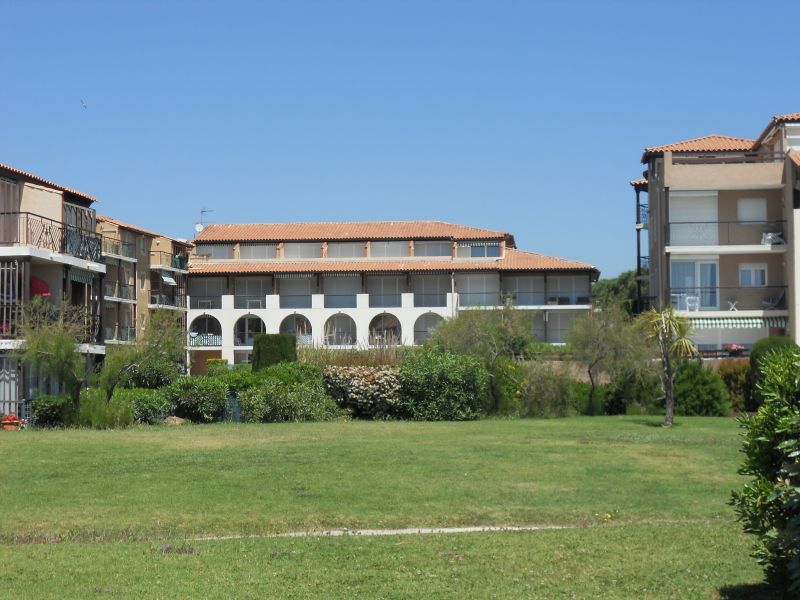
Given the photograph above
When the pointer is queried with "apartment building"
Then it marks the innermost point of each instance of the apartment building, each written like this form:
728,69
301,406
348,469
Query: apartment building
363,284
48,248
716,220
145,271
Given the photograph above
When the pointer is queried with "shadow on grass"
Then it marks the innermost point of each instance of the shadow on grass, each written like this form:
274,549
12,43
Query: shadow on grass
752,591
655,422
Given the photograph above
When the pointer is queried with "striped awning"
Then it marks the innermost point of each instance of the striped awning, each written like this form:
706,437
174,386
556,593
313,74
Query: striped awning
81,277
737,322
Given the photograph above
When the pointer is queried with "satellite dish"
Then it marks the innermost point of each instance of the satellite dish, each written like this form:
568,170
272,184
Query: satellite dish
198,227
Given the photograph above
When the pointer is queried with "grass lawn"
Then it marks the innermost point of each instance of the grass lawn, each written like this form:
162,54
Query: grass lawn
89,513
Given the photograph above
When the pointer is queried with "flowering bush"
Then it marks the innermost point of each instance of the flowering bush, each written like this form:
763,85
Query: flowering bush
367,391
13,422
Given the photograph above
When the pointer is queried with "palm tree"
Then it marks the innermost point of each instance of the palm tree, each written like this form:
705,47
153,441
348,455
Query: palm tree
670,331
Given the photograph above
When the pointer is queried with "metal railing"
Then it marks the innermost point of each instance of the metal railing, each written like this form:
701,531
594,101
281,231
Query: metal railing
718,159
114,289
385,300
205,339
118,247
643,215
205,302
157,299
644,263
723,233
120,334
295,301
694,299
28,229
250,302
167,260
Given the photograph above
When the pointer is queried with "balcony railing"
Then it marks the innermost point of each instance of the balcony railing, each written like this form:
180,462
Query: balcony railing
159,259
643,215
295,301
718,159
118,247
644,263
120,334
250,302
205,339
114,289
28,229
385,300
694,299
724,233
205,302
340,300
157,299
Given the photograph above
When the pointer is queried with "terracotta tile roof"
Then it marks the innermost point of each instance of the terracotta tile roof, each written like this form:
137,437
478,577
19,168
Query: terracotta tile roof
47,183
137,229
708,143
514,260
776,120
795,156
367,230
638,183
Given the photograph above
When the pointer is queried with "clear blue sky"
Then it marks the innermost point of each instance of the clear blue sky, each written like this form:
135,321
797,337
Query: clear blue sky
522,116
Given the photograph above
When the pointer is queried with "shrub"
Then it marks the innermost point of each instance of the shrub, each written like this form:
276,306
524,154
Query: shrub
238,378
293,373
735,374
367,391
699,391
274,401
544,390
631,389
152,373
97,412
381,356
760,350
199,399
216,366
769,505
51,411
272,348
438,385
149,406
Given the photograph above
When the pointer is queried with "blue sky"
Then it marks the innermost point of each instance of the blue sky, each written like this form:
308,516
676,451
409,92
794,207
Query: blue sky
528,117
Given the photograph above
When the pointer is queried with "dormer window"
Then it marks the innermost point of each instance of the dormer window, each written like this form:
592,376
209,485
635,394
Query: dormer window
302,250
389,249
430,248
478,250
345,249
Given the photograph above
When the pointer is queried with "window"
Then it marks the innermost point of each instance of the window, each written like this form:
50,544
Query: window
257,251
302,250
753,275
345,249
478,289
215,251
384,249
478,250
433,249
385,290
752,210
693,285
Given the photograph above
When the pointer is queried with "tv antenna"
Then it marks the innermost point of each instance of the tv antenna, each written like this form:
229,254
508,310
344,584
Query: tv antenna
201,224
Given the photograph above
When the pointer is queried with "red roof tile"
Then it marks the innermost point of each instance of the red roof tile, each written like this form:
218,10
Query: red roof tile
708,143
638,183
47,183
367,230
137,229
514,260
795,156
776,120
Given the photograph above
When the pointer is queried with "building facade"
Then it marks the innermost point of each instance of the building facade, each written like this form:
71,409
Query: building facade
716,221
366,284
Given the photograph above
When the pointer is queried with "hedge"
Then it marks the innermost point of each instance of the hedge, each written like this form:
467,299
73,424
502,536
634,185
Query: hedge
273,348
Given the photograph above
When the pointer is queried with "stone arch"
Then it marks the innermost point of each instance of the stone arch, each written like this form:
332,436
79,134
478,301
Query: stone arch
246,328
205,330
385,330
340,330
299,326
424,325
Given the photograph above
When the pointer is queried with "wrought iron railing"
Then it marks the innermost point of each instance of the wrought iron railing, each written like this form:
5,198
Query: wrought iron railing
29,229
205,339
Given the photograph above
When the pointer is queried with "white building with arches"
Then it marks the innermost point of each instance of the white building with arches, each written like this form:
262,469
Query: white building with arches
364,284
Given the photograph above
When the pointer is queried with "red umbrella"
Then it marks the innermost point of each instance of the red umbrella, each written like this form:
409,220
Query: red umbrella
39,287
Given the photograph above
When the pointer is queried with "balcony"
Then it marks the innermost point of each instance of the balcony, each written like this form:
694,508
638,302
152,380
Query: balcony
728,233
732,299
728,159
430,300
160,300
28,229
114,290
248,302
167,260
115,247
205,302
642,215
385,300
340,300
204,339
295,301
120,334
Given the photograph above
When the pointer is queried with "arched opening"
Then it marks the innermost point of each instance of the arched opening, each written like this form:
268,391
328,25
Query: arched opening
246,329
298,326
205,330
340,330
385,330
424,326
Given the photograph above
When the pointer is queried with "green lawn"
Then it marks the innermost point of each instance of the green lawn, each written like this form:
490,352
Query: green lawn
113,500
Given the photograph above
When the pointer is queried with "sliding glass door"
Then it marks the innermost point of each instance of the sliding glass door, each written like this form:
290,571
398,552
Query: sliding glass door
694,285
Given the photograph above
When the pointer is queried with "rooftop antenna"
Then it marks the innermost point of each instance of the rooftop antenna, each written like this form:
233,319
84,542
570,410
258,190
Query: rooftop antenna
201,224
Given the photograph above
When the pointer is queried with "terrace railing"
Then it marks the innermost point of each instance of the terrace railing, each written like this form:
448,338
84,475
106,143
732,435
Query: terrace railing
29,229
118,247
168,260
733,299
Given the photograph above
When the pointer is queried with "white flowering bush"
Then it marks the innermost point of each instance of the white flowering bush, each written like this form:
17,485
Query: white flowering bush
368,392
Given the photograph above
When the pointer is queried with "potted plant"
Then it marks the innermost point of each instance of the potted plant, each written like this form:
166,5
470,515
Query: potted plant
12,423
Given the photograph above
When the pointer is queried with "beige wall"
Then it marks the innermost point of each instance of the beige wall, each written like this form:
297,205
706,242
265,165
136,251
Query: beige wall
721,176
729,268
42,201
728,203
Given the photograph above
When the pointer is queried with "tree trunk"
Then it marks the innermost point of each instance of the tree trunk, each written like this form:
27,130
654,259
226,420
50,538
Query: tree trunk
669,396
590,408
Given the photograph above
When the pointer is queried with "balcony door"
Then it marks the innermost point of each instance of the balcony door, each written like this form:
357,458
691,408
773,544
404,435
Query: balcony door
693,219
694,284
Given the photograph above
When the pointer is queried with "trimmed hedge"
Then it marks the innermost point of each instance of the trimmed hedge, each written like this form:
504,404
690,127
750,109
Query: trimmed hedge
700,392
199,399
441,386
275,401
51,411
368,392
149,406
272,348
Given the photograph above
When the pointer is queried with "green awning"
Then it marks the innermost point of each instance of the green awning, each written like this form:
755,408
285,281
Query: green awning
81,277
738,322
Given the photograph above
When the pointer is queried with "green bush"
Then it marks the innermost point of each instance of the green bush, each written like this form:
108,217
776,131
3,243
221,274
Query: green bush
97,412
544,390
51,411
368,392
152,373
149,406
216,366
238,378
273,401
438,385
199,399
578,398
293,373
699,391
769,504
631,390
735,374
273,348
760,350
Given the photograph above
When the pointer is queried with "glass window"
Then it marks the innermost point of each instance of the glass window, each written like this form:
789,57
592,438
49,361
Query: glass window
478,251
302,250
345,249
753,275
215,251
752,210
388,249
433,248
256,251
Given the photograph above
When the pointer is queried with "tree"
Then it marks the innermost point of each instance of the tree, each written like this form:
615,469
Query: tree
618,291
670,332
52,335
607,342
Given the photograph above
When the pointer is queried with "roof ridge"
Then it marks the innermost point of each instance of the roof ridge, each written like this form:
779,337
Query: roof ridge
550,256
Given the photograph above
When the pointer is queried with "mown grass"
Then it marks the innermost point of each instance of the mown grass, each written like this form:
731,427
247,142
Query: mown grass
649,504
